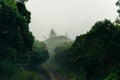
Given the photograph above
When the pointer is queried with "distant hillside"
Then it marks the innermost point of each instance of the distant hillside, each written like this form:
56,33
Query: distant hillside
54,42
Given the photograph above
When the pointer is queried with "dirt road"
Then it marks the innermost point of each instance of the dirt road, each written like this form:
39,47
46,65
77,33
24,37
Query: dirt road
54,74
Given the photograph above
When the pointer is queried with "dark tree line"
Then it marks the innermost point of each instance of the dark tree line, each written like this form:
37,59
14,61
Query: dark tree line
94,55
38,55
17,46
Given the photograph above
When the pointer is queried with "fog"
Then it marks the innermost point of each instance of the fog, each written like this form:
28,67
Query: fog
72,16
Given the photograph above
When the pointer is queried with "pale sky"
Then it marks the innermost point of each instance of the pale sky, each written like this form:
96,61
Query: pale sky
72,16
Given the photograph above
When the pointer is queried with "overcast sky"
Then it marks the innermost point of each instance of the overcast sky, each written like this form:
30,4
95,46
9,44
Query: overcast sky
72,16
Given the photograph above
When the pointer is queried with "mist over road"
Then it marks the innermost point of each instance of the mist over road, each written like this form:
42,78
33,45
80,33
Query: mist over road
51,73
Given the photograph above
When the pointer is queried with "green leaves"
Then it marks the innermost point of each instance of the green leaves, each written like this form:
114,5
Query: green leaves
16,41
38,55
97,49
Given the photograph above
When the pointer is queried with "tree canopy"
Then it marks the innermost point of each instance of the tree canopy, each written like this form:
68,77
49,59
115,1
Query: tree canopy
15,38
38,55
94,55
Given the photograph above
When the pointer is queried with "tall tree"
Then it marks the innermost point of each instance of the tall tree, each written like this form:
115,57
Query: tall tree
38,55
98,50
15,38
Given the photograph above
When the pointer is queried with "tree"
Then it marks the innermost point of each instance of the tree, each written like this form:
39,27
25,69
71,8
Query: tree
52,34
39,54
15,38
62,55
98,50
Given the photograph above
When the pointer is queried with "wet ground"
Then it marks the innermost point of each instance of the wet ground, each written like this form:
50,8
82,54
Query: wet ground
49,73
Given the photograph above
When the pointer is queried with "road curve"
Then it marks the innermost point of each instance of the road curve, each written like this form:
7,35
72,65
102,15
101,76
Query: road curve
54,73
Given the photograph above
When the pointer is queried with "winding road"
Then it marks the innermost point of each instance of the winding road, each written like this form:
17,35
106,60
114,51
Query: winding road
49,73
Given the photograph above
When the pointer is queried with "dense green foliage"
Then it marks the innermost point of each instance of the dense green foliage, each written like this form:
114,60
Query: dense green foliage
16,43
39,54
25,75
54,42
61,55
15,38
98,50
94,55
